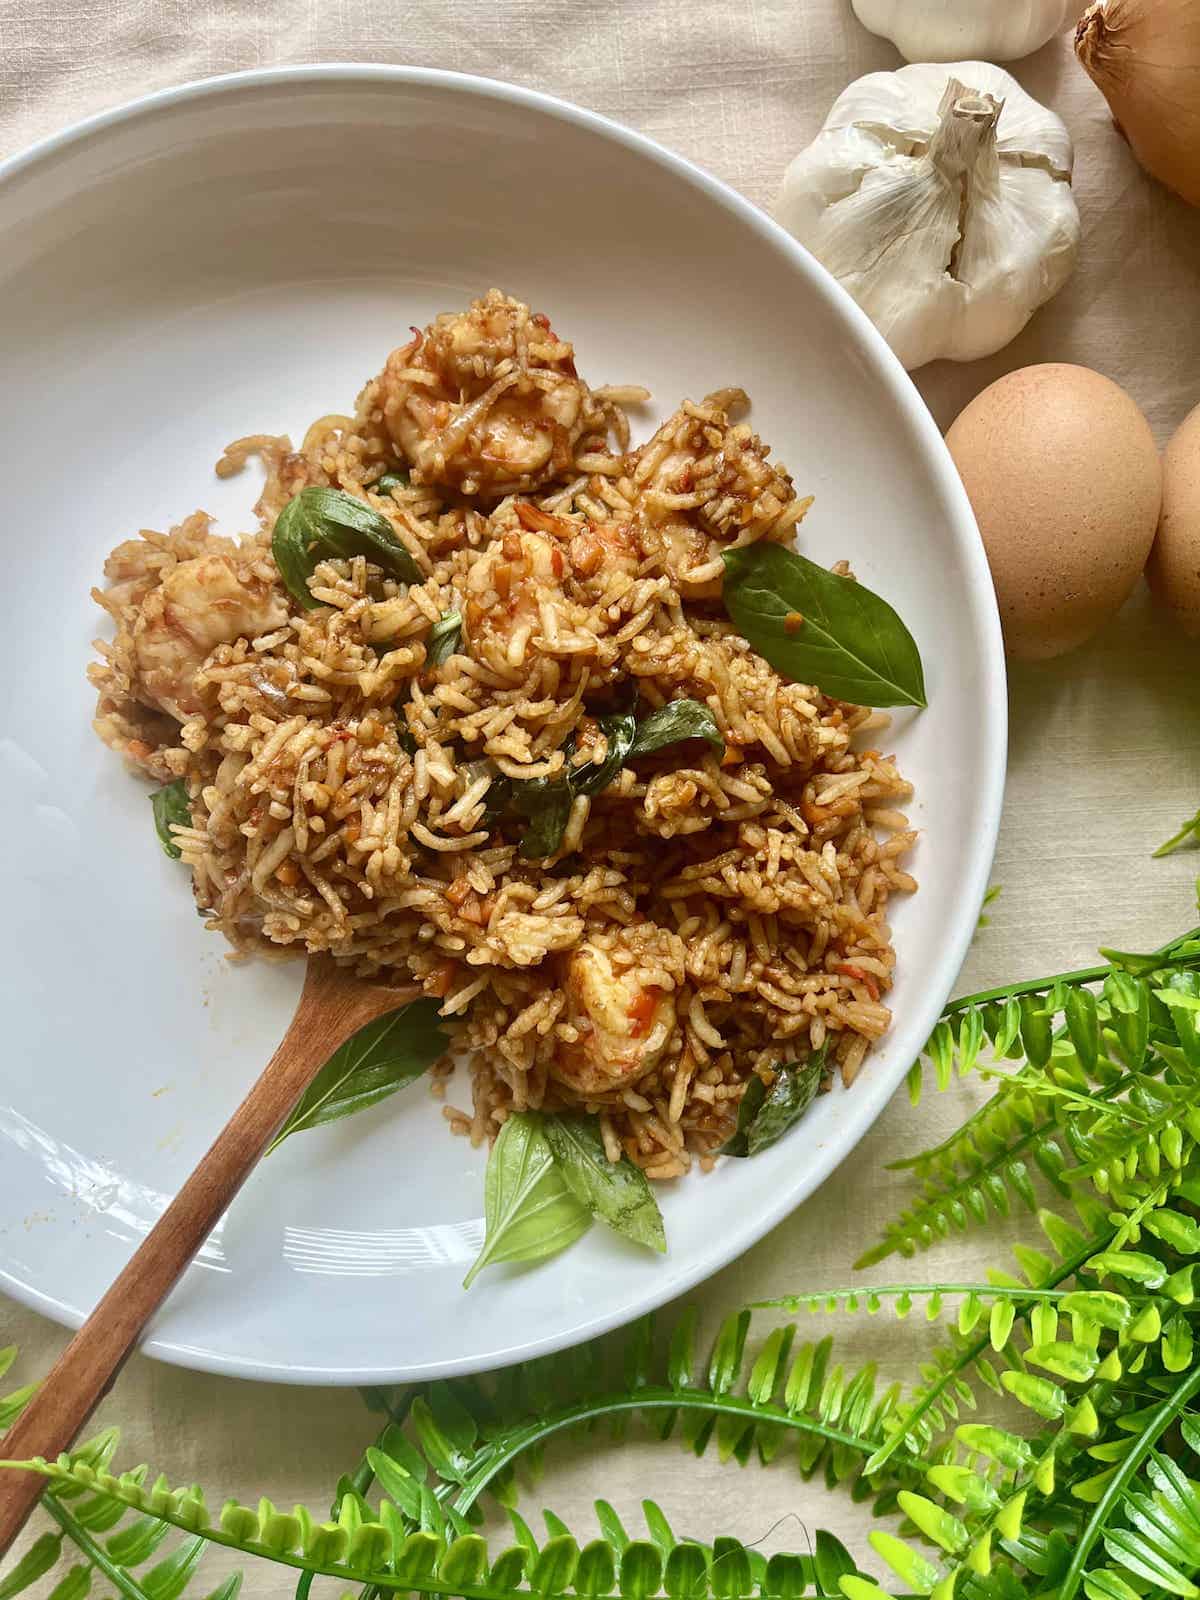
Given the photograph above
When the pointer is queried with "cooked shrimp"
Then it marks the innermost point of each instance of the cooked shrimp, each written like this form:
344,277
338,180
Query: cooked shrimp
601,547
623,1025
200,604
488,401
704,484
504,588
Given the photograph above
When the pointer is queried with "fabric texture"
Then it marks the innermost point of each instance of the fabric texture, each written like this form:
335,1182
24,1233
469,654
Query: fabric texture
1104,758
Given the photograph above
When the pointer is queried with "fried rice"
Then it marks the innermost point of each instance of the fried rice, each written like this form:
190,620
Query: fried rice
703,919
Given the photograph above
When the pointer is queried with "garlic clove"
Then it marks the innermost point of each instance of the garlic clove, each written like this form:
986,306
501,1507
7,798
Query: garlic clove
912,220
1011,268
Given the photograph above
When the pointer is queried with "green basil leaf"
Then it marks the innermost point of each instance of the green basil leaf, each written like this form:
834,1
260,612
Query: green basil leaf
545,803
328,524
390,481
789,1097
444,638
816,627
379,1059
171,804
528,1209
615,1191
765,1115
619,730
674,722
748,1108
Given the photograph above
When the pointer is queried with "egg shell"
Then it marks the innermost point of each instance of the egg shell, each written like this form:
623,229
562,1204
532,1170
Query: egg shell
1173,570
1064,476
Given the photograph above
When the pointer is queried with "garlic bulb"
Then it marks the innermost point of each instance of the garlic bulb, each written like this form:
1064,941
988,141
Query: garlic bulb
946,211
947,30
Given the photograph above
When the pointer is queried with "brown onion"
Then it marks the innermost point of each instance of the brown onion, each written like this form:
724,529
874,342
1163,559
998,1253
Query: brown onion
1144,57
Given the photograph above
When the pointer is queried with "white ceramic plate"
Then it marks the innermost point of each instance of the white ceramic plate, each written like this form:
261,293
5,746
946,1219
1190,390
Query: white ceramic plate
239,255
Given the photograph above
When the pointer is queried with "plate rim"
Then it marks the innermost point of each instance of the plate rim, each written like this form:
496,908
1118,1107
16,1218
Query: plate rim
861,1112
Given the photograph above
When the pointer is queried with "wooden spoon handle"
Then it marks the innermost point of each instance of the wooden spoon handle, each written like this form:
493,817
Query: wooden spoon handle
87,1368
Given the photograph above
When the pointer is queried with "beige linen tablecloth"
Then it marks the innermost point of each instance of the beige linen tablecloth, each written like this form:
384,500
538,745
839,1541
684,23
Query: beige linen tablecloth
1105,758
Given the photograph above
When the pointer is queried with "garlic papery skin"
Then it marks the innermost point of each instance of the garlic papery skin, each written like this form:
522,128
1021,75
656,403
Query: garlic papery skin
948,30
940,197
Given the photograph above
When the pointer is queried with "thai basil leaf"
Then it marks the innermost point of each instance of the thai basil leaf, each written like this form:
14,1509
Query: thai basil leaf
171,805
765,1115
546,802
615,1191
749,1106
390,481
816,627
327,524
444,638
619,730
379,1059
528,1209
674,722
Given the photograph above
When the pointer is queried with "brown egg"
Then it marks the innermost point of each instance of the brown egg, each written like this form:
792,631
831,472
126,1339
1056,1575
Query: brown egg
1062,470
1173,570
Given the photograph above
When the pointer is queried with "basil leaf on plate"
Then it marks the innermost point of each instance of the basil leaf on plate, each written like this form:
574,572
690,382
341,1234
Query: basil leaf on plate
619,730
328,524
543,803
765,1115
379,1059
615,1191
528,1209
444,638
816,627
171,804
546,802
388,482
671,724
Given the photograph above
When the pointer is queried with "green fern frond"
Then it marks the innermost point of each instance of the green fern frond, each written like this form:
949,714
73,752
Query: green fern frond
1089,1103
1008,1481
462,1439
967,1300
99,1526
442,1559
1016,1020
743,1401
1129,1548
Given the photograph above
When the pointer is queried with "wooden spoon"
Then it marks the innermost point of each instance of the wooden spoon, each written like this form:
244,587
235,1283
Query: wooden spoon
333,1005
